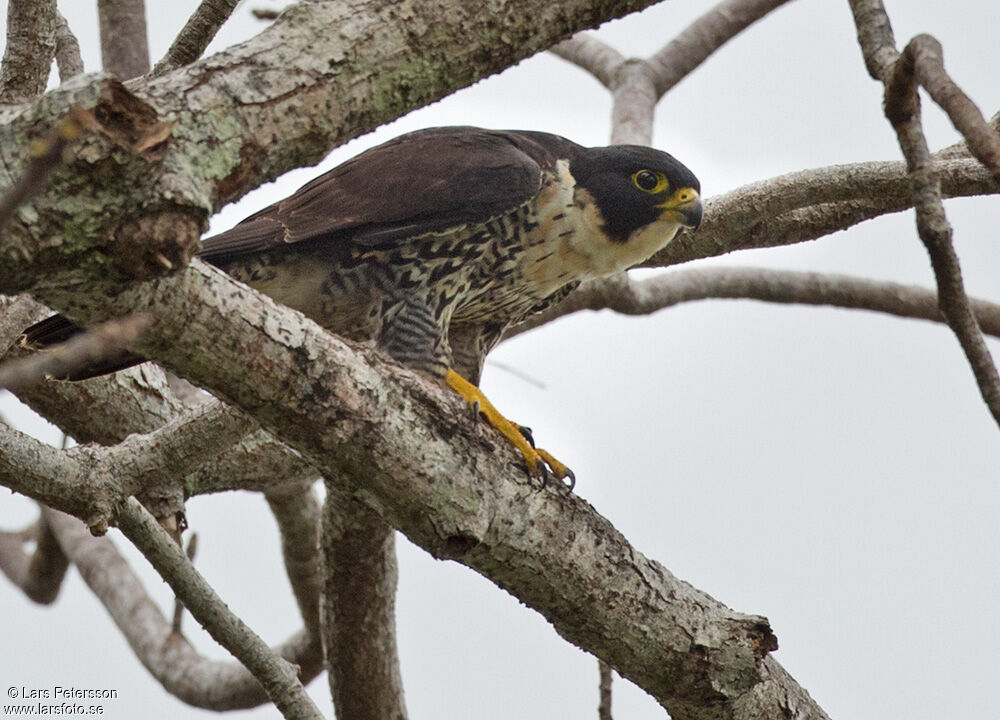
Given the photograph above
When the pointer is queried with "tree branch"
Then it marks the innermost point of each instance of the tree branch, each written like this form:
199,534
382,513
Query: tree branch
809,204
67,50
38,574
902,108
297,512
630,297
278,677
90,481
66,358
590,54
693,45
634,101
196,34
359,603
923,63
17,313
176,627
210,684
31,45
637,85
124,45
604,688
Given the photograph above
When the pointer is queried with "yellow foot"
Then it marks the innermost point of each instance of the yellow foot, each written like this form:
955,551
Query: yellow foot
535,458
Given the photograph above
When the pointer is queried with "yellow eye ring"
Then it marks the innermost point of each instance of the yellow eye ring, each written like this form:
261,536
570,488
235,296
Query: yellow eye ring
650,181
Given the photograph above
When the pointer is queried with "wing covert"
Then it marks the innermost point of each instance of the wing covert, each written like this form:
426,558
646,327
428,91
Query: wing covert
464,175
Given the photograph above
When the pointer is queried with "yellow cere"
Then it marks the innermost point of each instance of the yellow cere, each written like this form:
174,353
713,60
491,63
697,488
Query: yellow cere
684,195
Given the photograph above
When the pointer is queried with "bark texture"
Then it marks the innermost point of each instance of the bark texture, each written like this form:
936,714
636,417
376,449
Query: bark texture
31,45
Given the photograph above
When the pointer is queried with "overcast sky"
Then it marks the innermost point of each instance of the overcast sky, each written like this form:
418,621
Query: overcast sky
833,470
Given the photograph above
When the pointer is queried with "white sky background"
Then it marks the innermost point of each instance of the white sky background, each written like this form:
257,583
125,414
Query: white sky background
833,470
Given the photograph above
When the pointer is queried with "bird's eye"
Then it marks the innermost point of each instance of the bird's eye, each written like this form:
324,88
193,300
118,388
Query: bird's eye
649,181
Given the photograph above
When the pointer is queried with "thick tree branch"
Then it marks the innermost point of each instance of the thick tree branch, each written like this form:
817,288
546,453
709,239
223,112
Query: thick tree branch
124,45
209,684
359,610
31,45
196,34
902,108
630,297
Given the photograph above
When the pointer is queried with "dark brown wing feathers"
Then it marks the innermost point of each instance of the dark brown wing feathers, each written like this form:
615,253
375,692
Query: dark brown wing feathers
421,182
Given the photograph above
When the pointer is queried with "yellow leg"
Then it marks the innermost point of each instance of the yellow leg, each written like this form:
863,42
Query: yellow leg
535,458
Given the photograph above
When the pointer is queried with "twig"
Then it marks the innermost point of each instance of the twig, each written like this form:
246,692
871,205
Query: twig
278,677
91,347
693,45
519,374
192,550
922,63
31,45
212,684
44,157
124,45
899,76
196,34
604,687
623,295
637,85
68,56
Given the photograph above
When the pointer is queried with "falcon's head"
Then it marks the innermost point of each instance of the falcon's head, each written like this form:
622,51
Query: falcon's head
641,198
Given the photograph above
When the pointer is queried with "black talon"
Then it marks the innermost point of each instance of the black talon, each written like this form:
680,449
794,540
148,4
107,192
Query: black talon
572,481
526,432
544,472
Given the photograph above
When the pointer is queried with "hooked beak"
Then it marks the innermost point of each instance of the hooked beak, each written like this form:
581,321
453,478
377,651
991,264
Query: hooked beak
690,213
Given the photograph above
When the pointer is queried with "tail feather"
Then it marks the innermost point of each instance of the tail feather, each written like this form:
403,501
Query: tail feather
58,329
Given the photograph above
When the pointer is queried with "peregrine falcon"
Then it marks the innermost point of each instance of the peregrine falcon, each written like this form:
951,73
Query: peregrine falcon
433,243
